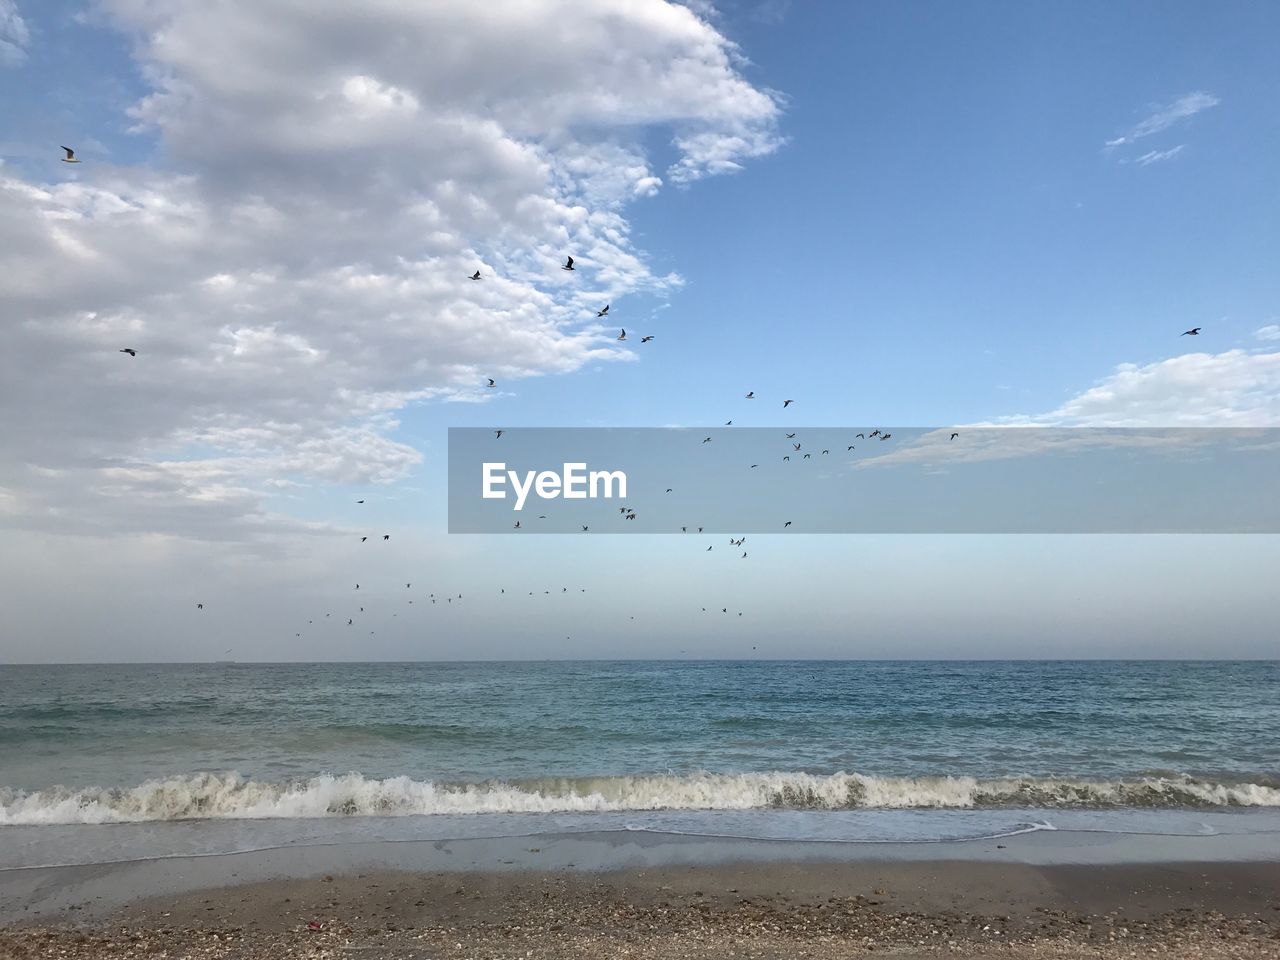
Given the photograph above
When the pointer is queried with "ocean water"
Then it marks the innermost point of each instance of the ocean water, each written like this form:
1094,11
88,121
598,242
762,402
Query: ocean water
824,751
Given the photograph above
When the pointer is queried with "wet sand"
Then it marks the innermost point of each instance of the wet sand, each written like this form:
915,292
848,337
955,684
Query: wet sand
856,904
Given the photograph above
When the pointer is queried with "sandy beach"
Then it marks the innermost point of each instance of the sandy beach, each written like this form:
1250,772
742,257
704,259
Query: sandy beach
841,901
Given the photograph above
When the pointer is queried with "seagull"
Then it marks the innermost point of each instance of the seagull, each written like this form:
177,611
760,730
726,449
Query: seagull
825,452
885,436
708,549
668,489
357,586
807,456
646,339
787,403
359,501
754,465
708,440
787,524
859,437
604,312
623,334
199,606
129,350
386,536
728,423
785,459
517,526
850,447
497,434
584,529
790,436
796,445
751,395
70,157
744,554
363,539
492,382
875,432
408,585
1193,332
954,435
568,264
476,275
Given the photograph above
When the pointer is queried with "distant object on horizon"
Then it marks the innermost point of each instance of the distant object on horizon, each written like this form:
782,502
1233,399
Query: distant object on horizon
70,157
1193,332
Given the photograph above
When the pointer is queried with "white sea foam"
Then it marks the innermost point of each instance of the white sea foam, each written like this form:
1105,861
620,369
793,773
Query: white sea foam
223,796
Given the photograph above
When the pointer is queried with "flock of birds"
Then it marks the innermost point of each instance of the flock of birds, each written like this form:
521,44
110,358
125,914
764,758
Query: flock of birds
627,513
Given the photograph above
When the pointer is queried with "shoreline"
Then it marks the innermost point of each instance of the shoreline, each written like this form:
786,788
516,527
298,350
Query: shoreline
641,895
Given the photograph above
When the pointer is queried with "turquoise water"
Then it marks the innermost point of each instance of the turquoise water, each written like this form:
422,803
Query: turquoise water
106,744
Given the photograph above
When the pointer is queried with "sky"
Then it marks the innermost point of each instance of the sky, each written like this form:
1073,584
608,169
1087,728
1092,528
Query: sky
898,215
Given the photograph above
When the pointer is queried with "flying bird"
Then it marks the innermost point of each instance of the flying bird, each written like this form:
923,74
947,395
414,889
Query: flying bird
604,312
790,436
517,526
568,264
386,536
623,334
850,447
859,437
787,403
363,539
584,529
751,395
476,275
754,465
199,606
668,489
954,435
785,459
497,434
1193,332
492,382
708,440
70,157
130,351
359,501
728,423
796,445
646,339
787,524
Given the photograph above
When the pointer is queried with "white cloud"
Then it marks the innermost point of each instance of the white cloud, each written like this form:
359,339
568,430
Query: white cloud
14,35
1235,389
1156,156
295,271
1165,116
1270,332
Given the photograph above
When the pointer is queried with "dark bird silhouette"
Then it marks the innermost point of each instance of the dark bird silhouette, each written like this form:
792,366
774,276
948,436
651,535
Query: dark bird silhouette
825,452
517,526
497,434
357,586
130,351
954,435
875,432
850,447
604,312
708,440
796,445
885,436
751,395
787,524
646,339
1193,332
492,382
199,606
807,456
668,489
744,554
584,529
753,466
568,264
476,275
790,436
70,157
623,334
785,459
728,423
386,536
708,549
787,403
363,539
859,437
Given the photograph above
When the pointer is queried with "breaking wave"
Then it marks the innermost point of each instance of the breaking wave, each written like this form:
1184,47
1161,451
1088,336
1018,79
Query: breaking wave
226,796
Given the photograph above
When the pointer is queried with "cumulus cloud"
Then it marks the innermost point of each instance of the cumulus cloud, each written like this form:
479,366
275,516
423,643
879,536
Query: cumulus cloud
292,270
14,35
1236,389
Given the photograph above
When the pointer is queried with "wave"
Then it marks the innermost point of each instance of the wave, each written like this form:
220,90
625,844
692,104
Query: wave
229,796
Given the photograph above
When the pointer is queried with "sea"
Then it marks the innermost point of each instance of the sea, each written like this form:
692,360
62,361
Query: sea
110,762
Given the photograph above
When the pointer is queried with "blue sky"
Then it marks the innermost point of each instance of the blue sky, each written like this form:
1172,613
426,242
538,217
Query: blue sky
927,228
